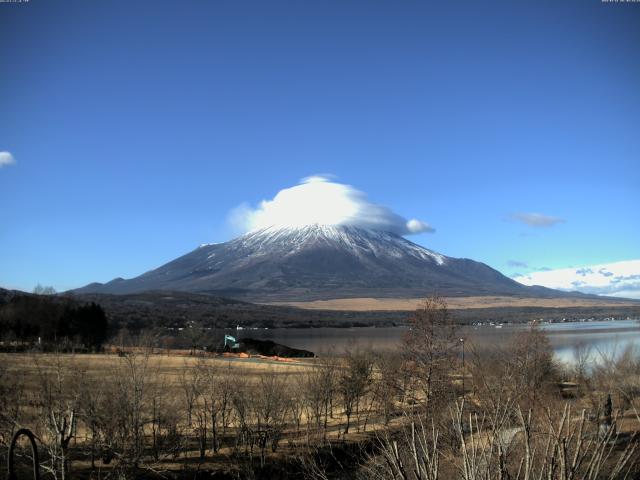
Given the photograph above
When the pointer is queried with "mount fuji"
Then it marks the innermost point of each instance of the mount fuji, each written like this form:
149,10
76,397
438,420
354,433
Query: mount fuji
316,262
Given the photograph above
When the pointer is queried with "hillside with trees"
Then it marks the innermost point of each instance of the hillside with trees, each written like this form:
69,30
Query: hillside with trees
48,320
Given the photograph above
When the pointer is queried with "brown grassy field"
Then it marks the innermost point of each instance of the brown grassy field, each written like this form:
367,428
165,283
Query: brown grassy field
169,377
410,304
165,367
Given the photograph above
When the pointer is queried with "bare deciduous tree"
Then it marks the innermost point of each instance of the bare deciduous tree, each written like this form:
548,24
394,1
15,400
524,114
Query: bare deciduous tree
58,405
431,348
531,358
353,382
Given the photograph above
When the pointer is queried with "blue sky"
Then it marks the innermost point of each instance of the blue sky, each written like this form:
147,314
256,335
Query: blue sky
135,128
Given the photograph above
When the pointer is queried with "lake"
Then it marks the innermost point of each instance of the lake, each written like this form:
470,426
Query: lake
601,337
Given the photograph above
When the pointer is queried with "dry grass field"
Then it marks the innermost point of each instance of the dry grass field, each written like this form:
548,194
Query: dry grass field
166,367
273,408
410,304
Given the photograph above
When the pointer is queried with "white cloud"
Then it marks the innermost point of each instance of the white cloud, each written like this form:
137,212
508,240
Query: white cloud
6,159
319,200
619,279
536,219
418,226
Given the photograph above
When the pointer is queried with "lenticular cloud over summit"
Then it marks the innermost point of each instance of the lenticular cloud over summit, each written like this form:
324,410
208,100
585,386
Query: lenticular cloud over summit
319,200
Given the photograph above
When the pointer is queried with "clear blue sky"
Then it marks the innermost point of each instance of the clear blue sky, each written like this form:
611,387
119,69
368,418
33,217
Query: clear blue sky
137,126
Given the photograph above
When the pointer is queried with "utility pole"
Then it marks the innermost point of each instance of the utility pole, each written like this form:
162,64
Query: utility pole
463,371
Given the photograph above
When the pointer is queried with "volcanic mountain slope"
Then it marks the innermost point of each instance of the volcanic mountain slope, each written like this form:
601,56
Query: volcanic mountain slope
321,262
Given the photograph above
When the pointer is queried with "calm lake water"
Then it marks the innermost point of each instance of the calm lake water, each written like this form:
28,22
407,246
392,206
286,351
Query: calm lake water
601,337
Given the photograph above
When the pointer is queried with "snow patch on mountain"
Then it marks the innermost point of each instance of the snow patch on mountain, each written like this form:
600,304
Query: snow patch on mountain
358,241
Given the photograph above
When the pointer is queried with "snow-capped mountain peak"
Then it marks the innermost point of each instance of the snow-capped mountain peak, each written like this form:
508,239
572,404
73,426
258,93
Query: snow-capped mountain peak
358,241
318,261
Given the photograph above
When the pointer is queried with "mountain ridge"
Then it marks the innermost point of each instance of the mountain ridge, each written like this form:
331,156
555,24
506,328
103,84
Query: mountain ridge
316,262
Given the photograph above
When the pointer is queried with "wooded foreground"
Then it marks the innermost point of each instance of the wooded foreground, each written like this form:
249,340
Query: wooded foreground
417,414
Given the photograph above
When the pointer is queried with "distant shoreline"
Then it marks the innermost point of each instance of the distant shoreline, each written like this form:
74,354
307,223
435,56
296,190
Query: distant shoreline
369,304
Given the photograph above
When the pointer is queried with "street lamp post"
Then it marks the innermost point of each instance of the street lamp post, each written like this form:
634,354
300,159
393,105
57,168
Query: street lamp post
462,343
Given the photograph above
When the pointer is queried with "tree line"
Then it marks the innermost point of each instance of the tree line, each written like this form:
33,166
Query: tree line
51,322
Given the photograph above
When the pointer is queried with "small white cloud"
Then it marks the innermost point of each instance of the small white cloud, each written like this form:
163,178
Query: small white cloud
418,226
536,219
6,159
619,279
320,200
